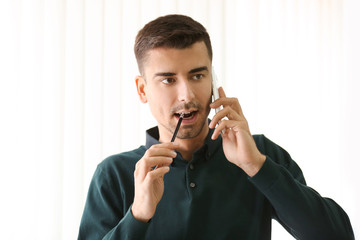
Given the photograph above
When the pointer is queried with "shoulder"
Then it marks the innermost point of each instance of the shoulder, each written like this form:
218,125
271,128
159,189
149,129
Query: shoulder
265,144
128,157
122,163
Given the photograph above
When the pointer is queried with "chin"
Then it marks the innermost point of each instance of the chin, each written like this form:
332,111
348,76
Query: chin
191,131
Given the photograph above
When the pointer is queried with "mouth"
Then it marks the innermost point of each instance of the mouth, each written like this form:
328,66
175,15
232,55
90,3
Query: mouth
186,115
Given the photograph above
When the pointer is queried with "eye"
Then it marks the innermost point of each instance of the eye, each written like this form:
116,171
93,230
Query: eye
168,80
197,76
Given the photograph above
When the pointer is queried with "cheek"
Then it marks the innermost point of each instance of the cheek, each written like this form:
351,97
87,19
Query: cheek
160,101
206,95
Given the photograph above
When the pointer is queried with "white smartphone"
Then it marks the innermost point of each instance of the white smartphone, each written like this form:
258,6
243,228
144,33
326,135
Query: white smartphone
215,90
215,93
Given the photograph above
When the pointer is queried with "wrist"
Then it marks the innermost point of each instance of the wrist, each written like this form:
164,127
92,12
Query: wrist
138,215
254,167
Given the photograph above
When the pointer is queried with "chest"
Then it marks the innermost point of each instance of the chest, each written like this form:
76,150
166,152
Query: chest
207,199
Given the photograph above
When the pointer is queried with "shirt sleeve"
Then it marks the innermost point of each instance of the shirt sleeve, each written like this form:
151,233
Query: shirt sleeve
300,209
103,218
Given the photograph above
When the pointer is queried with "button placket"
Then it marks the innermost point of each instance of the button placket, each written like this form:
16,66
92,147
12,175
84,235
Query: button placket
191,174
208,155
191,166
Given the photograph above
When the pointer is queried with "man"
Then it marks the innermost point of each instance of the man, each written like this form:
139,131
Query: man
214,181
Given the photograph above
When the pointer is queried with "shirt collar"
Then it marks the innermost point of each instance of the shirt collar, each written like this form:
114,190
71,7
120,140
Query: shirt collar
210,146
152,137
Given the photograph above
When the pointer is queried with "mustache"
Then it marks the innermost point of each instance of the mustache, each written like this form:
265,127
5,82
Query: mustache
184,106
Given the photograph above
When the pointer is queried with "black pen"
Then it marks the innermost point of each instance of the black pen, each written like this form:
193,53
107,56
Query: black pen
177,127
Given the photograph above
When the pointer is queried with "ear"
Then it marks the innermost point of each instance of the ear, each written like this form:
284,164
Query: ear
141,88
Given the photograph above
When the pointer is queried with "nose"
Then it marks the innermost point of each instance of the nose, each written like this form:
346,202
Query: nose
185,91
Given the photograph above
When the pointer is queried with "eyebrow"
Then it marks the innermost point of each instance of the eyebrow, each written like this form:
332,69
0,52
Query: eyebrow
199,69
169,74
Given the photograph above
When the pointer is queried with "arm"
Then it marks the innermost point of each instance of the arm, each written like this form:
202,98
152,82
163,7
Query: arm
301,210
103,217
113,210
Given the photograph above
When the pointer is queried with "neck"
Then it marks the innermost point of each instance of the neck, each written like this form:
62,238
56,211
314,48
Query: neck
187,147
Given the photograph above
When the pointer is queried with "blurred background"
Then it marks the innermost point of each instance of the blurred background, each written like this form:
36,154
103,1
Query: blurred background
68,96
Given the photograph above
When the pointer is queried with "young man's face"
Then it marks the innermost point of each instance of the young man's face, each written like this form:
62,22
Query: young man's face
177,81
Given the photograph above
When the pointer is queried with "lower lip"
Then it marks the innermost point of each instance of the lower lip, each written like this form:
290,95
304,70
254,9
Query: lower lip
188,120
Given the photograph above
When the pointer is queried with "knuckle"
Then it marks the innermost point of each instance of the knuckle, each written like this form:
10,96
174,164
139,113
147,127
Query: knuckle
141,162
137,165
149,152
227,108
136,172
154,146
151,175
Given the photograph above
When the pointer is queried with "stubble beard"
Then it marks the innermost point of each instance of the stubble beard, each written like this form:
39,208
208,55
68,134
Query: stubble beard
189,132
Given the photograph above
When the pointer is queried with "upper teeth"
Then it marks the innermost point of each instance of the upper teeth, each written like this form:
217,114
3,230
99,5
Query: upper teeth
186,114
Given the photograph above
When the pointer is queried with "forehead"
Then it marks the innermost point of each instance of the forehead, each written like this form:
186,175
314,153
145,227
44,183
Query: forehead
171,59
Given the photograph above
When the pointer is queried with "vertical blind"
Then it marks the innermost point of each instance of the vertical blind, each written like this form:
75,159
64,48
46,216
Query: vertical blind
68,96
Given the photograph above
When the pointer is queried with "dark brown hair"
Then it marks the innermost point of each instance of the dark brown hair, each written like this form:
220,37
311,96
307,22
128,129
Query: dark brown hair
173,31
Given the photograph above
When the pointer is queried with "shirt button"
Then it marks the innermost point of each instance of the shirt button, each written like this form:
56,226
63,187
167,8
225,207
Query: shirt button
192,185
191,166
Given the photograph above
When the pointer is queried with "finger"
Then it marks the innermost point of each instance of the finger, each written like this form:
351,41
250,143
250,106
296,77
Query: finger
232,102
158,161
218,130
168,145
217,103
147,164
225,112
155,155
160,152
152,162
157,173
224,126
222,93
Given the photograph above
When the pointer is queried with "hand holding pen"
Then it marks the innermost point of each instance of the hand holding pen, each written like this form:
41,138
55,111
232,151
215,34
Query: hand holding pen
149,177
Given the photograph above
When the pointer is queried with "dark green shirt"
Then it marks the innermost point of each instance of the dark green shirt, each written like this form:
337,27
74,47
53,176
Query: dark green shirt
211,198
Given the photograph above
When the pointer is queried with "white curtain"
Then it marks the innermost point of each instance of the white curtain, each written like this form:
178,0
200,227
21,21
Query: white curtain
68,97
